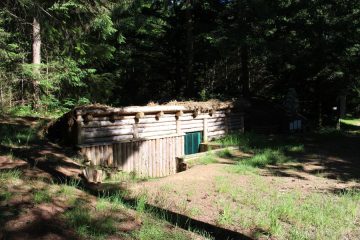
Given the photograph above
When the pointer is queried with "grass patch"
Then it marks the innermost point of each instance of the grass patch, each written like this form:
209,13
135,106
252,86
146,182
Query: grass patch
351,121
88,226
311,216
226,153
111,201
16,135
120,176
252,142
158,230
5,196
260,160
206,159
42,196
9,175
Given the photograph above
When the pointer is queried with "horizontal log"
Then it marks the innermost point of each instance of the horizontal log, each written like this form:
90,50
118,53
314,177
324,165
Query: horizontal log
159,128
108,133
107,128
133,110
139,125
125,117
109,139
216,128
105,123
192,121
198,129
213,124
101,132
154,134
194,125
201,116
220,132
217,119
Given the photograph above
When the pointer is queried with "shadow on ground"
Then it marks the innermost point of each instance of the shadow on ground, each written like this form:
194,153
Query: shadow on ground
21,148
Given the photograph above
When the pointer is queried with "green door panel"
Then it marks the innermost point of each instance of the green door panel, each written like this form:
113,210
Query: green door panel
192,142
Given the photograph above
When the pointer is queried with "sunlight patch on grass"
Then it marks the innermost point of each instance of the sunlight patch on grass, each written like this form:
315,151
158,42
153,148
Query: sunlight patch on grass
42,196
9,175
354,122
311,216
206,159
151,230
111,201
260,160
226,153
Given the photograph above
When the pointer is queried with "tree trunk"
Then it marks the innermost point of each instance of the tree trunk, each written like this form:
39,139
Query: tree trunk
36,59
190,86
245,70
342,106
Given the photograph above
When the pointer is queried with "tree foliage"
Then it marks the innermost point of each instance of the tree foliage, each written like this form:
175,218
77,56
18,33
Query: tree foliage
135,51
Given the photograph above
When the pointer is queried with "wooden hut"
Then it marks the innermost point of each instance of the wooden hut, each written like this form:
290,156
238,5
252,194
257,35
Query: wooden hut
148,139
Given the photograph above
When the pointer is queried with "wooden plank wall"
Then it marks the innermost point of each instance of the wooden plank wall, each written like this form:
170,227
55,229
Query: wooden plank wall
148,158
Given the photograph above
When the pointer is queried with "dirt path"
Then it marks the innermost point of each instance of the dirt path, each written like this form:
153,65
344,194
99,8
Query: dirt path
325,167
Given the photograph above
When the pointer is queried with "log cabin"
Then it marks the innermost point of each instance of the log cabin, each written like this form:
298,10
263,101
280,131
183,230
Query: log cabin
146,140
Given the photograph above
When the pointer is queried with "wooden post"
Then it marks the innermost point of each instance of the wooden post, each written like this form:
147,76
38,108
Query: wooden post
159,115
139,115
80,137
135,130
205,129
196,113
178,125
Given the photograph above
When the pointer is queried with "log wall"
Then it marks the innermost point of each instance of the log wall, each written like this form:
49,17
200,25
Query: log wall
150,144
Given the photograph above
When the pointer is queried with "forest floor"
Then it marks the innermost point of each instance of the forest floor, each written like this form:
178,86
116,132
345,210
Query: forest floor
41,196
290,187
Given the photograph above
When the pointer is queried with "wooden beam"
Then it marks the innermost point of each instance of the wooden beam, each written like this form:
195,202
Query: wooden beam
133,109
196,113
178,126
139,115
178,114
159,115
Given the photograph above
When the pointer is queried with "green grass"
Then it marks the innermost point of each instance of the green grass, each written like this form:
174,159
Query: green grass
351,121
311,216
206,159
250,142
26,110
226,153
42,196
261,159
113,201
5,195
9,175
267,150
16,135
124,177
89,226
158,230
